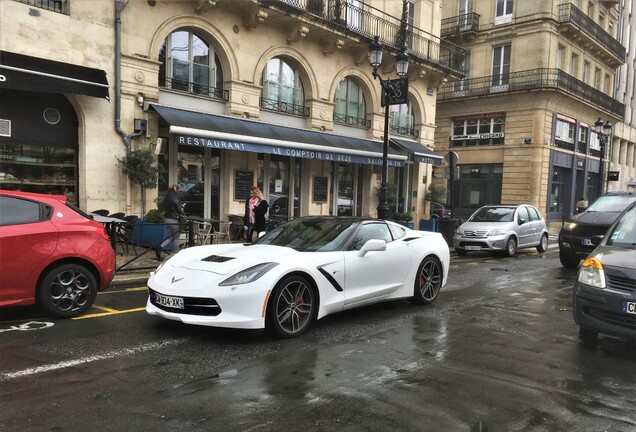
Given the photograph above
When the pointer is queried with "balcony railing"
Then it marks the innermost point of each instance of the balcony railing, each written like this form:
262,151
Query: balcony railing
533,79
351,121
285,107
568,13
52,5
468,22
369,22
194,88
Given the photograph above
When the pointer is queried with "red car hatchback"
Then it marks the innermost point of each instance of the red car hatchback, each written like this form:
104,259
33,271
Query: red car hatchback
52,254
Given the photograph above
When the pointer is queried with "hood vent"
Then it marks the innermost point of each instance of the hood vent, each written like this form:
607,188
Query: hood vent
217,259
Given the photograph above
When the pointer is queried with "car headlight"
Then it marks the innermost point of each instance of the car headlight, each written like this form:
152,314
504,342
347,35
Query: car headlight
569,225
459,231
248,275
592,274
496,232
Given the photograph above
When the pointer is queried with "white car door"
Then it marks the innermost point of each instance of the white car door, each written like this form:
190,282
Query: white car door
376,274
524,230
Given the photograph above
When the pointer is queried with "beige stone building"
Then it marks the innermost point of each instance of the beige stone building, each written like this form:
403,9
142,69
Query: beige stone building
540,74
227,94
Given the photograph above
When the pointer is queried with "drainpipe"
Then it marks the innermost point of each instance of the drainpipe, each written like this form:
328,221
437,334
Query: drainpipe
119,7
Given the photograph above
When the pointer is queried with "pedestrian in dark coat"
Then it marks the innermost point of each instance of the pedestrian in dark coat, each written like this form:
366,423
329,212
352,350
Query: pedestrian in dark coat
256,208
172,210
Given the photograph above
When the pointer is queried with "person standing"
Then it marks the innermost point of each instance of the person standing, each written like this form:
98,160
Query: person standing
256,208
172,209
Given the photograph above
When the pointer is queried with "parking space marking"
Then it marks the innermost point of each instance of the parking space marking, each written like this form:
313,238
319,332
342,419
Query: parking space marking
123,290
110,312
109,355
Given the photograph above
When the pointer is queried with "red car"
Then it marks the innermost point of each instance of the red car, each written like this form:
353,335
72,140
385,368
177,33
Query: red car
51,253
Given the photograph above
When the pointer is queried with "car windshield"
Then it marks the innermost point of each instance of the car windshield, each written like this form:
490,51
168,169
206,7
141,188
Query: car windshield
611,203
624,232
493,214
310,235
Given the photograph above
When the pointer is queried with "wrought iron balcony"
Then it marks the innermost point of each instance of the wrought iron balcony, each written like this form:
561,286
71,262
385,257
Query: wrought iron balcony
367,21
573,18
52,5
194,88
465,23
351,121
285,107
534,79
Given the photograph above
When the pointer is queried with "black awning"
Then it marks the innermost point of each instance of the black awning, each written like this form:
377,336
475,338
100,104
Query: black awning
227,133
21,72
420,153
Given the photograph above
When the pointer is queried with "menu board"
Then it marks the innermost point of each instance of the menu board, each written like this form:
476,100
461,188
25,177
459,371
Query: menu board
243,182
320,189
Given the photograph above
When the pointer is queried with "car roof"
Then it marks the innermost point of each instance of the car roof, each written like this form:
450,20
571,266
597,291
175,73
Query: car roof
619,193
35,196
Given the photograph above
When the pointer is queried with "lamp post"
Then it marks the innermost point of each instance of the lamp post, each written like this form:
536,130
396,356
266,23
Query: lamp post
603,130
394,92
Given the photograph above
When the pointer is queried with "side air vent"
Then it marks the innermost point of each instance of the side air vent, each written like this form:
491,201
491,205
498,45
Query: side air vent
217,259
5,127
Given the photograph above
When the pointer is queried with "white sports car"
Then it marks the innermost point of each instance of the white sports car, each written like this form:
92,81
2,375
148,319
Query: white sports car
302,270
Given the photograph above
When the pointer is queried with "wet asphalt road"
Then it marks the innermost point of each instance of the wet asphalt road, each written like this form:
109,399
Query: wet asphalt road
498,351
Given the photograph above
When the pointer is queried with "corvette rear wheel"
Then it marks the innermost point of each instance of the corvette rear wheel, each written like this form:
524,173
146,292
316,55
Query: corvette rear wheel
428,281
292,307
67,290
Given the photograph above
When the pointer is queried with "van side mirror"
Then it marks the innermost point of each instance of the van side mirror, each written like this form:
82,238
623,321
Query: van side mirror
596,239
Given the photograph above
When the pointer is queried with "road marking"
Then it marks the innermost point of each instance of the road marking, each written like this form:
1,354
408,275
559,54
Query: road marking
109,355
112,312
31,325
123,291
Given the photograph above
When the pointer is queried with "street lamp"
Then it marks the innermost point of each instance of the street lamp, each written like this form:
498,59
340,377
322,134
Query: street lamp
603,130
394,92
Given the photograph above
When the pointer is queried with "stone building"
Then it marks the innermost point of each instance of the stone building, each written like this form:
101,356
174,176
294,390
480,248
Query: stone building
227,94
540,74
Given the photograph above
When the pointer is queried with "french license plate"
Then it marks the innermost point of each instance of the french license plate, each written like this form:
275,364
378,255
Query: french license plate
629,307
587,242
168,301
472,247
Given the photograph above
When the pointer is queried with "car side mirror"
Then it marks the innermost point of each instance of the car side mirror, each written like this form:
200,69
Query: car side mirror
372,245
522,221
596,239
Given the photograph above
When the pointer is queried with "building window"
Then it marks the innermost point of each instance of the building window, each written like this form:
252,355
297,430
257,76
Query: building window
460,87
351,107
558,189
597,78
564,133
402,119
560,57
503,12
189,64
581,146
282,88
601,20
483,131
500,67
574,65
586,72
590,10
607,84
58,6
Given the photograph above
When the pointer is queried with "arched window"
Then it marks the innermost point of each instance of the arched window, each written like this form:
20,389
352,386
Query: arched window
189,64
403,119
351,107
282,88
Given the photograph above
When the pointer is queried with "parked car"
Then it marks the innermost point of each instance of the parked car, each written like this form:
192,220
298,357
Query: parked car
300,271
52,254
575,237
440,211
502,228
605,288
192,198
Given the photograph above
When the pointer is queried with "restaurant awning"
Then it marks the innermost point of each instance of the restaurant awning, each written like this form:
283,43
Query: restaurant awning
227,133
22,72
420,153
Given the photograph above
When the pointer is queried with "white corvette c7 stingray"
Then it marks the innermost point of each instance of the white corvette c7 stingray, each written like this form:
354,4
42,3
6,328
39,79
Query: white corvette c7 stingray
300,271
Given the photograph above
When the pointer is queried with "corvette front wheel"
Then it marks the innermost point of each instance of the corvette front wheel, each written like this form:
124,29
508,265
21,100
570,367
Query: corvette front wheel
428,281
292,307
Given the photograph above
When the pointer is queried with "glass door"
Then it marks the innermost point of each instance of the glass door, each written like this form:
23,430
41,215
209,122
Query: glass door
198,178
347,187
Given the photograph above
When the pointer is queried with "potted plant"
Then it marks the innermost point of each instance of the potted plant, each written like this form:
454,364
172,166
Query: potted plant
138,166
150,231
405,219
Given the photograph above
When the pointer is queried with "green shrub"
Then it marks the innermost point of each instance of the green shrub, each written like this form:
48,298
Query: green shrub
155,216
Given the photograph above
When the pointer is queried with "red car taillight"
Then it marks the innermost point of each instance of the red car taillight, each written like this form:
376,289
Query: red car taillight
104,233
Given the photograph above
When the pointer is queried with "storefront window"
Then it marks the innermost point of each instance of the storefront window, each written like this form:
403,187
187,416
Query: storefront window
478,185
278,179
558,189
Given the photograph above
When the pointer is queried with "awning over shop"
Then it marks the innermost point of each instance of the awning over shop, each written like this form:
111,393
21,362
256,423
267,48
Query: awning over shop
21,72
420,153
226,133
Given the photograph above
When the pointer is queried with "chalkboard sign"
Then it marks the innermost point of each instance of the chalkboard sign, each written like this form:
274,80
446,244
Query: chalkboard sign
320,189
243,182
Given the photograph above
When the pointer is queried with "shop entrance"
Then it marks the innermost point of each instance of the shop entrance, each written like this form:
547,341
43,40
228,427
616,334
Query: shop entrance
198,178
347,189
